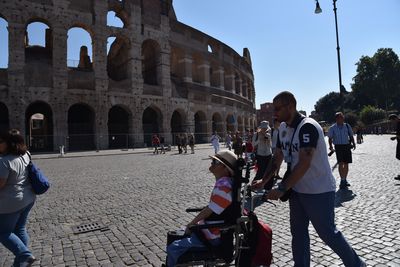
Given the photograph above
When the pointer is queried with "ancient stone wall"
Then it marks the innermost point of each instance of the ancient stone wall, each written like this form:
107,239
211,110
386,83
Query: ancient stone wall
160,76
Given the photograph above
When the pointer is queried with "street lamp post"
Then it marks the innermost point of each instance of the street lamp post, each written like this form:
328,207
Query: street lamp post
318,10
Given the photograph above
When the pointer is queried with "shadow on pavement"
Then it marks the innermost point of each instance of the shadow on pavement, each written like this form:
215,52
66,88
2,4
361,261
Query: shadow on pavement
343,195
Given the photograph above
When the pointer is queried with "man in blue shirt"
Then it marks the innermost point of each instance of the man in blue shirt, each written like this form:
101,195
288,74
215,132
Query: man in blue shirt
341,135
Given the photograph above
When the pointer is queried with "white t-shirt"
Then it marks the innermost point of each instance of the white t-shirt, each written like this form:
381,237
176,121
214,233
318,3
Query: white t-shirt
318,178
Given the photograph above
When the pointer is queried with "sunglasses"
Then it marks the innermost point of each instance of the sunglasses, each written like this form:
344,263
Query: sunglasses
215,162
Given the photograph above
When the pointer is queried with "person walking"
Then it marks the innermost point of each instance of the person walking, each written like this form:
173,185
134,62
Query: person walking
16,197
309,177
341,135
191,142
228,141
396,121
263,151
155,141
215,142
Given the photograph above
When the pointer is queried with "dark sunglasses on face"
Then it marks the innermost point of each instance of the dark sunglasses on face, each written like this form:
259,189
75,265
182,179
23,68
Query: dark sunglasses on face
215,162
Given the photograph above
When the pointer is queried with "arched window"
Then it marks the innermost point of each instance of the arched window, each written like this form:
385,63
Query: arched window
151,62
114,20
3,43
79,49
38,42
118,62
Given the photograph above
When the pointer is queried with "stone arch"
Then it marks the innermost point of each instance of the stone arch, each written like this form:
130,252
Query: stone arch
200,127
81,121
118,58
4,47
119,127
238,84
4,118
80,38
120,12
151,62
152,123
230,123
245,85
39,126
217,123
197,61
38,53
178,121
214,74
228,77
177,66
114,19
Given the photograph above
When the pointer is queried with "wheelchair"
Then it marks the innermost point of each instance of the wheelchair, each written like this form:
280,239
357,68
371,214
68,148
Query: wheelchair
237,230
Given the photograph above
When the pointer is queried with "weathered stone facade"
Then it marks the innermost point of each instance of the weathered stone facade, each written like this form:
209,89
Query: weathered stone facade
160,76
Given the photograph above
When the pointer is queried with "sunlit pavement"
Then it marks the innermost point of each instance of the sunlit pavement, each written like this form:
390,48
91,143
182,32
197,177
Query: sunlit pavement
138,197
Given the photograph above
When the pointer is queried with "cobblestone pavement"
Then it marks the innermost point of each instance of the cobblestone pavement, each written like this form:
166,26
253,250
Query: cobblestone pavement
139,197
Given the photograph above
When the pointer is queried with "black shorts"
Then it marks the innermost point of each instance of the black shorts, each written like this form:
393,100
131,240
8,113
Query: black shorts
343,153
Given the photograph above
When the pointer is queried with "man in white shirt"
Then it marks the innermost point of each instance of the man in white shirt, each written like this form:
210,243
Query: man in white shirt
301,143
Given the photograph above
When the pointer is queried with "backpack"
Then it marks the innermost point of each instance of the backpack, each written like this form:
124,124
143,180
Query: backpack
259,240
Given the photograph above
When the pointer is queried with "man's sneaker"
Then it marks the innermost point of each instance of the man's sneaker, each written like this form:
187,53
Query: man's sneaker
347,183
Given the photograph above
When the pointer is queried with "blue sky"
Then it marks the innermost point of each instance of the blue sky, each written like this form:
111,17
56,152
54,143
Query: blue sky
291,47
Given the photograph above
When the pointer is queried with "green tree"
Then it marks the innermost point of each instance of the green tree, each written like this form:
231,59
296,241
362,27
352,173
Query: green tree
377,81
370,114
327,106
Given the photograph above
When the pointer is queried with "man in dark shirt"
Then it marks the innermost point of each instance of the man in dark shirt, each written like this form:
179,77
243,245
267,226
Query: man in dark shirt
395,120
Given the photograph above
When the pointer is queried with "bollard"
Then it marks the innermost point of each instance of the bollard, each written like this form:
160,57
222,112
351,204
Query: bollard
61,151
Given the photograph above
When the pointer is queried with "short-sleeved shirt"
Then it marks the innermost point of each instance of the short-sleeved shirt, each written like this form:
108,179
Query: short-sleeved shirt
340,133
17,192
221,198
318,178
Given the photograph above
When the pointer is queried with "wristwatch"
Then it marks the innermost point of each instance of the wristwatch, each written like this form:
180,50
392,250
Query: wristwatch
282,187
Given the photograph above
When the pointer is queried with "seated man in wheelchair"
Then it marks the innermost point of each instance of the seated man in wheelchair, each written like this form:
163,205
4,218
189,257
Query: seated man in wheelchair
223,166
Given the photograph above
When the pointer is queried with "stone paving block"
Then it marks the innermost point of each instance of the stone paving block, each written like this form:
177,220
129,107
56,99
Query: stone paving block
141,209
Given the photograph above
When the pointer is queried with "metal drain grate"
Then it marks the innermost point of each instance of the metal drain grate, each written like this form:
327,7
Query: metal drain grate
89,227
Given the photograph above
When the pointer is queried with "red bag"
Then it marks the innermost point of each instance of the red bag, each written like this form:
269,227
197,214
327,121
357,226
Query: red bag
263,253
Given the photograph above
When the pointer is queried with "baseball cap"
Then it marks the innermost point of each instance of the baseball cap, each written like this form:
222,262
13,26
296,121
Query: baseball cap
227,158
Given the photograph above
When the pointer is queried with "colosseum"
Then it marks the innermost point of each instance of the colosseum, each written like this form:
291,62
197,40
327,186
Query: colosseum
157,76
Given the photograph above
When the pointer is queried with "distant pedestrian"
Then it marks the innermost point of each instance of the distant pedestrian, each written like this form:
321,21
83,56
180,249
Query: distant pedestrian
16,197
263,151
237,145
162,144
184,140
228,141
155,141
396,121
191,142
341,135
215,141
178,142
